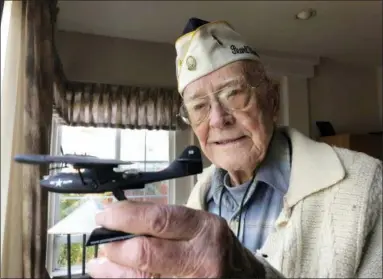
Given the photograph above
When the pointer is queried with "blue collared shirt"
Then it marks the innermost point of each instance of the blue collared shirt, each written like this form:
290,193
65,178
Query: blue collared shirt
264,200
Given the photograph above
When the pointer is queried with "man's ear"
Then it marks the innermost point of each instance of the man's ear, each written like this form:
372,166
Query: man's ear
275,100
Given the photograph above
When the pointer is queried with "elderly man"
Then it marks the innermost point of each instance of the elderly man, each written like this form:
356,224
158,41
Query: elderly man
274,203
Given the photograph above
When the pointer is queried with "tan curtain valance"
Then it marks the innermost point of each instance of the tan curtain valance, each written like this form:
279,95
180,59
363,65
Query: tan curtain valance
117,106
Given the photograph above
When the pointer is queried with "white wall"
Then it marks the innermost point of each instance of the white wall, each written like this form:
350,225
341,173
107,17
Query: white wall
298,104
116,61
346,96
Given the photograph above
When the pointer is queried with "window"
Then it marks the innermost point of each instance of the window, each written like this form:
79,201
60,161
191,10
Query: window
147,150
5,22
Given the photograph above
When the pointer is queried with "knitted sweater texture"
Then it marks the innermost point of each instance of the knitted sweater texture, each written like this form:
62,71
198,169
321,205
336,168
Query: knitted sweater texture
331,222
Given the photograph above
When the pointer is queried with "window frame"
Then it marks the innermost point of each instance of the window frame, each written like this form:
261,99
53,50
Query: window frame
6,19
53,241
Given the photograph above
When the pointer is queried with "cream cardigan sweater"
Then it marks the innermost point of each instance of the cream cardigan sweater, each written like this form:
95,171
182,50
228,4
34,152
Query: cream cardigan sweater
331,222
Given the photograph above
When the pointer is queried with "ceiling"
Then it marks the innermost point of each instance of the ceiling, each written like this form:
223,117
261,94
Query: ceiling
343,30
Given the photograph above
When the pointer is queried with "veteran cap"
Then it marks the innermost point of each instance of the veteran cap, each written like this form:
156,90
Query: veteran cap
207,46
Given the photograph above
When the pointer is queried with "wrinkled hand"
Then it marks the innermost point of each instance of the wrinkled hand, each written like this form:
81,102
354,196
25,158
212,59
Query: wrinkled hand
185,243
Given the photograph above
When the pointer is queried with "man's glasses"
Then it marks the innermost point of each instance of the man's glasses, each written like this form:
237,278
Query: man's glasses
232,98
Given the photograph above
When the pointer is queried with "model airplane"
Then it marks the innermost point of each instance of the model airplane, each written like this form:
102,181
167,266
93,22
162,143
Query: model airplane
94,175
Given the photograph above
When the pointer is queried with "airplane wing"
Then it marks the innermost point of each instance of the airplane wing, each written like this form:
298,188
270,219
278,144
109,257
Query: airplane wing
68,159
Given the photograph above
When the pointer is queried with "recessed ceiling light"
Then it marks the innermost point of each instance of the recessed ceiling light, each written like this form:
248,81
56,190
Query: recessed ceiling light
305,14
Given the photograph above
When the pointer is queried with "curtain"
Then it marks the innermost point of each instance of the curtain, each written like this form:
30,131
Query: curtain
26,108
1,9
117,106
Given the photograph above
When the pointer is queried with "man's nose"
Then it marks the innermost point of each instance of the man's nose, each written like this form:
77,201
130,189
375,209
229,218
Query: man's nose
218,116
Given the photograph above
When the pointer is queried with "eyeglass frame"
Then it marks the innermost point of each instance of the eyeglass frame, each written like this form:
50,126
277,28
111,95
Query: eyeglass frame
228,110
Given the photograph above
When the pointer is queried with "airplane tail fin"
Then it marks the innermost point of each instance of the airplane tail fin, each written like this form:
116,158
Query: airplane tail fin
188,163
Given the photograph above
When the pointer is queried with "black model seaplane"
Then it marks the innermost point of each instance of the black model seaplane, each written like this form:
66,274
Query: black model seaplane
93,175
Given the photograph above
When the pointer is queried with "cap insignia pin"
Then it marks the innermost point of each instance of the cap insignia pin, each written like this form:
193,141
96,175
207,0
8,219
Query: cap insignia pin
191,63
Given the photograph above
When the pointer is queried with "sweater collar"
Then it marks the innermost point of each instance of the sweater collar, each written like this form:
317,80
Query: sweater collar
315,166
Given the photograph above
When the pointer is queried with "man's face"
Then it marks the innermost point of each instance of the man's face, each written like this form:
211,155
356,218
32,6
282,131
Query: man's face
235,140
